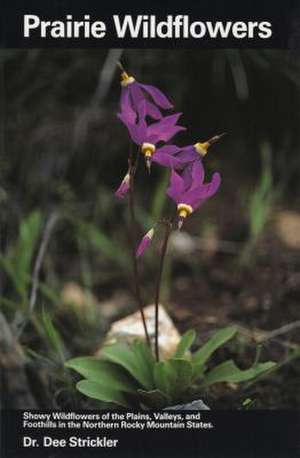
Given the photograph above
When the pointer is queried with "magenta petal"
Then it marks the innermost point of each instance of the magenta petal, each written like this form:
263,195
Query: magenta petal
138,130
159,98
195,197
188,154
166,160
136,133
197,174
168,121
176,187
169,149
144,243
136,94
153,111
165,129
170,132
126,106
166,156
211,188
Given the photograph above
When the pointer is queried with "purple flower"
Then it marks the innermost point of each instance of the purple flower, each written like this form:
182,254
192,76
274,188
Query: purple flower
189,190
178,158
141,132
175,157
147,136
124,187
144,243
133,93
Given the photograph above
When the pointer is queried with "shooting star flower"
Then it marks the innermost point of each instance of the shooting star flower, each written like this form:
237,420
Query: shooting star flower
124,187
189,190
133,93
145,243
178,158
147,136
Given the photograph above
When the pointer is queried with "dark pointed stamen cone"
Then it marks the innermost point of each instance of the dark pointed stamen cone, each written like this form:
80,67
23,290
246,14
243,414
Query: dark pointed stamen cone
148,164
180,222
215,138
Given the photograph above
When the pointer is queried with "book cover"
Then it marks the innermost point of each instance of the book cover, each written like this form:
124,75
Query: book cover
149,221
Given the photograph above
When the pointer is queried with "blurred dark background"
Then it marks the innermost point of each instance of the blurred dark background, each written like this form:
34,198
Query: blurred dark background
64,152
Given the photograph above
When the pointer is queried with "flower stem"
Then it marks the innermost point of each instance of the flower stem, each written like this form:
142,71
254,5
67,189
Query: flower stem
158,283
132,228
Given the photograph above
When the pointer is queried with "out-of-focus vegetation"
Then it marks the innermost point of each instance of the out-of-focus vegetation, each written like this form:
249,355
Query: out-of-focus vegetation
65,257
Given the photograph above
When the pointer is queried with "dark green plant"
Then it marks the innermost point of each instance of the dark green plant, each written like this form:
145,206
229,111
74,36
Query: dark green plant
128,375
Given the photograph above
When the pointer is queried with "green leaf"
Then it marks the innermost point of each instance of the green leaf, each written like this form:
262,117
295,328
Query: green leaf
101,241
135,359
102,372
30,230
229,372
53,336
11,272
154,399
173,376
102,393
144,358
185,343
205,352
49,293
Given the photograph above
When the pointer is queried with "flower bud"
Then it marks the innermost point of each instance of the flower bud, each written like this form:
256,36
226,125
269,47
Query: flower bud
124,187
144,243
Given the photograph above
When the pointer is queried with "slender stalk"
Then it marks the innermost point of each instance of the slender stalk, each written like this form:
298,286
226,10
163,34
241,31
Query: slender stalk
132,228
158,284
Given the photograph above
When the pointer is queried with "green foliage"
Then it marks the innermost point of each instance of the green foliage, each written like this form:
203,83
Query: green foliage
97,239
260,203
104,393
52,336
172,377
185,343
217,340
17,264
128,375
137,360
104,373
229,372
263,196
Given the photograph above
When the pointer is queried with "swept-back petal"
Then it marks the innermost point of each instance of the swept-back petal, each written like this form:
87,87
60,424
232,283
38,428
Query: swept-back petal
153,111
176,187
164,129
167,156
196,196
136,94
126,106
137,132
159,98
197,174
167,160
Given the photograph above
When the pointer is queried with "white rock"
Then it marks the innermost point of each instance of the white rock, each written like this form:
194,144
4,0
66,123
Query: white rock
131,327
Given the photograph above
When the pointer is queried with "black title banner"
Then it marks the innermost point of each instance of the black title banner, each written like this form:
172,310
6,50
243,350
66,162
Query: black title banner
205,24
239,434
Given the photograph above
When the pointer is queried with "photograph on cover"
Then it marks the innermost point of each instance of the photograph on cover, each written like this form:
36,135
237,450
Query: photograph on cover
150,229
